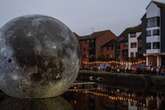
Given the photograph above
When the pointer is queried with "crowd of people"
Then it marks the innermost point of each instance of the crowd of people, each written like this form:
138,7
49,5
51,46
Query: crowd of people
135,69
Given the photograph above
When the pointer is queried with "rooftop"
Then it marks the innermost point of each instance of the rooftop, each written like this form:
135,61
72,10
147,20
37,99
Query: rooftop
123,36
158,3
96,34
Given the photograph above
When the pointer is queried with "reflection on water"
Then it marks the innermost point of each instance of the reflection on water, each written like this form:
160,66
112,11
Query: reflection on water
91,102
58,103
114,99
90,99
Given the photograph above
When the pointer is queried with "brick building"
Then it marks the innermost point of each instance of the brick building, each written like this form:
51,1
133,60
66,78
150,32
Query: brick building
123,46
108,51
87,47
97,46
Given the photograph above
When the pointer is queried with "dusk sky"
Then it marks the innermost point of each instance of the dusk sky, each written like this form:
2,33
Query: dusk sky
81,16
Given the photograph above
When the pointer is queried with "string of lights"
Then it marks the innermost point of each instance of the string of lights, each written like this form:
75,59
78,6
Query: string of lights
114,62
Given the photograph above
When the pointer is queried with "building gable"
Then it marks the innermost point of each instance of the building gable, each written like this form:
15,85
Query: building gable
152,10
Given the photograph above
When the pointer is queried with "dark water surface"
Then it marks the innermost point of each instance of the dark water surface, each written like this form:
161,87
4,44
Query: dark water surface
89,98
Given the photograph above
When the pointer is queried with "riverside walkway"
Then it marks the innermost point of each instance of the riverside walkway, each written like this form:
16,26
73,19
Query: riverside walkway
141,82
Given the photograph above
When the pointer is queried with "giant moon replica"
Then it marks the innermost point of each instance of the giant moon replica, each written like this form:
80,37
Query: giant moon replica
39,57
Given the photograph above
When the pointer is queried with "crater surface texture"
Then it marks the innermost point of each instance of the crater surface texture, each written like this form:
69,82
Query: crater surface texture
39,57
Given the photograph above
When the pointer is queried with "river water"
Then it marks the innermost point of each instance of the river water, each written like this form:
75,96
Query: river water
90,98
106,98
118,101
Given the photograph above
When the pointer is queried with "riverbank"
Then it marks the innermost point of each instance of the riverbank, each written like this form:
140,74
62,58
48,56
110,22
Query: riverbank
138,82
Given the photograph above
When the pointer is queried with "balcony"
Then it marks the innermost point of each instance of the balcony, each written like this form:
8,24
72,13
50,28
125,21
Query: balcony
153,38
150,51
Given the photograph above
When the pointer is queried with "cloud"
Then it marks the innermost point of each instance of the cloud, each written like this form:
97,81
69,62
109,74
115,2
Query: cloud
82,16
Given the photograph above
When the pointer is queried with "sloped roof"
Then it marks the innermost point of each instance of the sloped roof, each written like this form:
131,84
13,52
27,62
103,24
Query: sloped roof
96,34
131,29
100,33
158,3
76,34
86,37
122,38
124,35
143,17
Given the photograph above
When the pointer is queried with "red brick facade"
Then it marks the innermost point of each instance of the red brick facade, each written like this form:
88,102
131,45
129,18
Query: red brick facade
84,46
102,39
97,45
123,45
108,50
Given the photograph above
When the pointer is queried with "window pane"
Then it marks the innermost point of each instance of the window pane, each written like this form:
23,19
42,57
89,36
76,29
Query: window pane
149,33
148,46
136,54
156,45
153,22
132,54
156,32
133,45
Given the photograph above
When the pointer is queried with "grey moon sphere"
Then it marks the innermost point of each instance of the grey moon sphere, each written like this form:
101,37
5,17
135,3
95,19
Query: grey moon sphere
39,57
